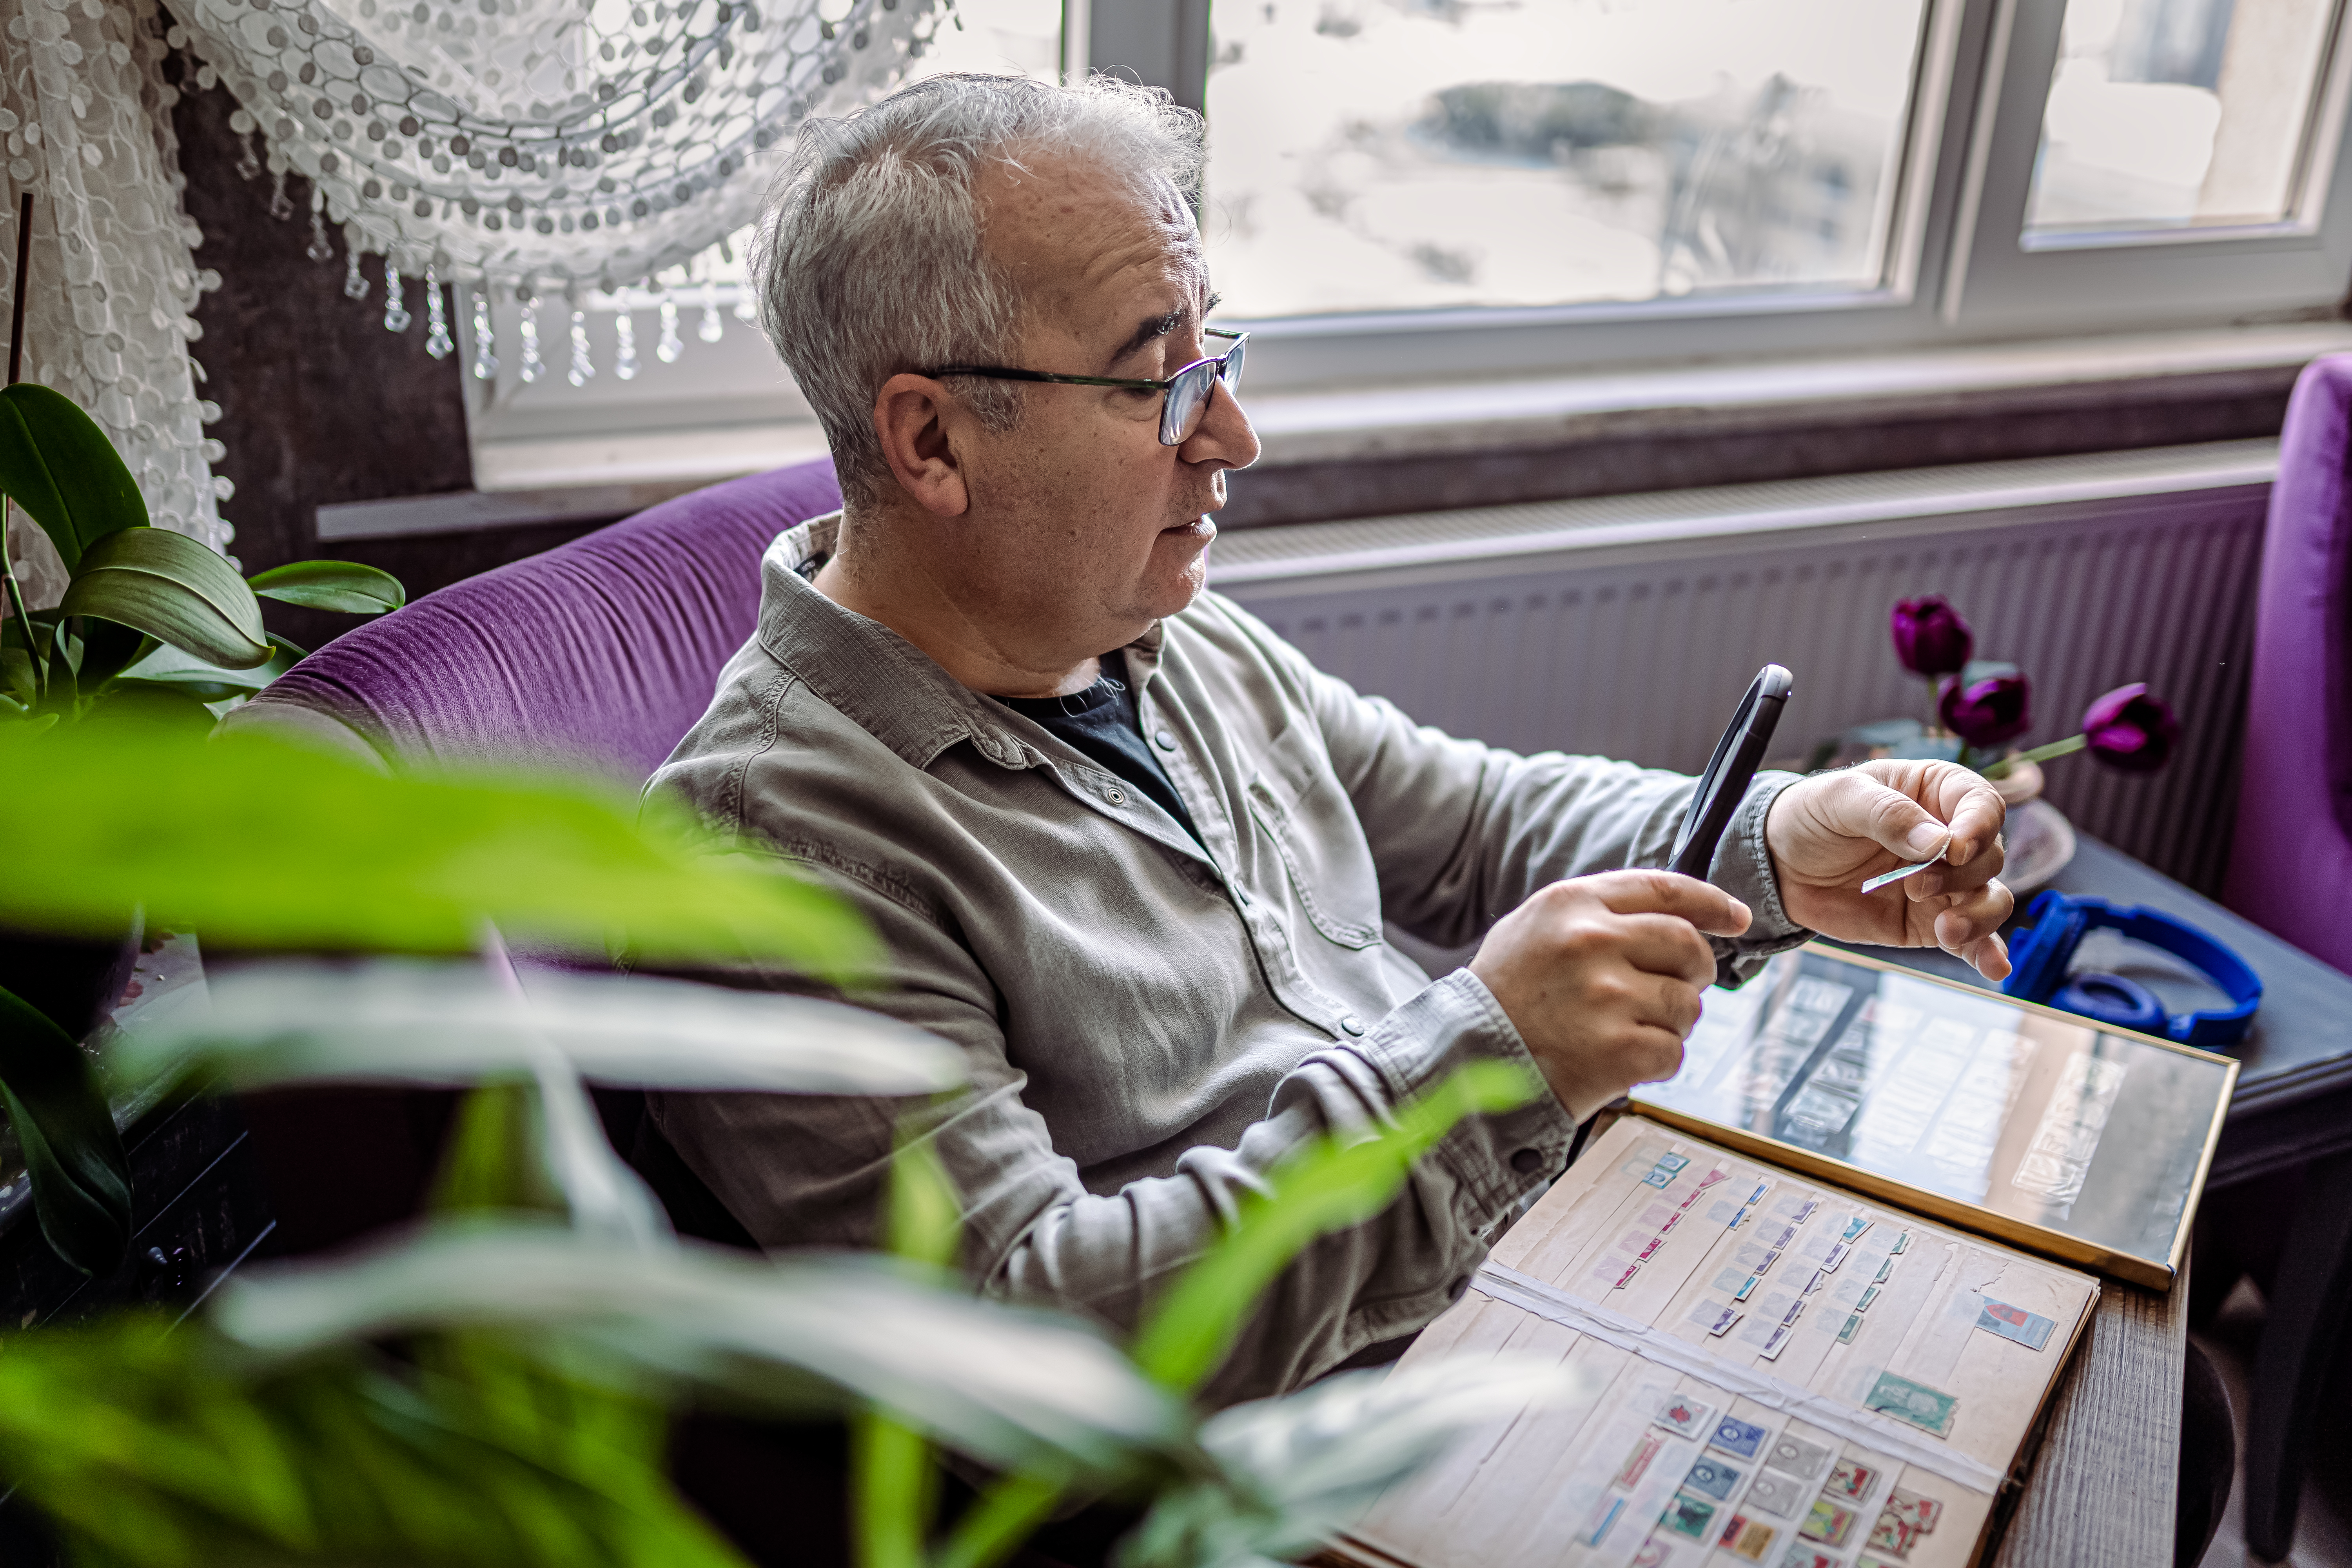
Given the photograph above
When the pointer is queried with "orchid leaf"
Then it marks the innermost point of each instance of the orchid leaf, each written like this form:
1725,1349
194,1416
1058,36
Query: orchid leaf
345,585
173,589
58,465
263,842
81,1177
445,1023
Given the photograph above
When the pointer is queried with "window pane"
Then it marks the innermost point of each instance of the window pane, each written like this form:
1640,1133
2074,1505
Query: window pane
1399,155
2178,113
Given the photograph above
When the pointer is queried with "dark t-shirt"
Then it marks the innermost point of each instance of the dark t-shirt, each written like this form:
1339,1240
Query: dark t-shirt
1100,722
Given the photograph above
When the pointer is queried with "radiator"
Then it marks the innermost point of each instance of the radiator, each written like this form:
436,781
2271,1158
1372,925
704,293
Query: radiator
1628,626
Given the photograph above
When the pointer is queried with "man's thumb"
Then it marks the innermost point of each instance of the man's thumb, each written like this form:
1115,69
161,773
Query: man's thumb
1905,827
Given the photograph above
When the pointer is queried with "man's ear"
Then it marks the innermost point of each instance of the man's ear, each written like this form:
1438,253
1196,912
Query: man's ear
912,418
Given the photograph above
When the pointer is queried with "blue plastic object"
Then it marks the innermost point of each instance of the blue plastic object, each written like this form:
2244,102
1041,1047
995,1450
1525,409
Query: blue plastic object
2040,959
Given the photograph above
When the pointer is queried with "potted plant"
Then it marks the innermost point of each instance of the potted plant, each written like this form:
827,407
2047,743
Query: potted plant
152,624
496,1386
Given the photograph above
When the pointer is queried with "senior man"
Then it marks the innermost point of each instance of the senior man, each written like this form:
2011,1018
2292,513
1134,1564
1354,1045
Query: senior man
1131,851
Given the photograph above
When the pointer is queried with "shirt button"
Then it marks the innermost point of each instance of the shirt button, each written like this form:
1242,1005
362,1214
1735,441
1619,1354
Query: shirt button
1527,1161
1352,1023
1116,797
1164,740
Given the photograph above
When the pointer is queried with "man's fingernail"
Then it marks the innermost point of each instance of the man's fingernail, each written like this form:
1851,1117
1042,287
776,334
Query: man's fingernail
1926,839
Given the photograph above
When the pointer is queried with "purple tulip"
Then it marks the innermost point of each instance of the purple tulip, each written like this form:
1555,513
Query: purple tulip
1989,711
2131,730
1930,638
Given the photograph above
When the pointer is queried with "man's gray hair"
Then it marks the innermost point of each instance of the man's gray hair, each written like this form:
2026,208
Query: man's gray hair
868,255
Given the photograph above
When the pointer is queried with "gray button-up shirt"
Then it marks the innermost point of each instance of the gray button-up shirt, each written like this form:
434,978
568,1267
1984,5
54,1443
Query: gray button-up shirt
1150,1028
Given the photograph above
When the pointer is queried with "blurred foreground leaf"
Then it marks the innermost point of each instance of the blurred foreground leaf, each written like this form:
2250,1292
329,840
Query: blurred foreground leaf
160,1449
447,1023
1323,1188
1004,1384
1292,1470
81,1177
254,842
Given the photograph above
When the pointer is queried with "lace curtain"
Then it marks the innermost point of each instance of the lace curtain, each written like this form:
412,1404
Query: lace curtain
527,144
536,144
85,111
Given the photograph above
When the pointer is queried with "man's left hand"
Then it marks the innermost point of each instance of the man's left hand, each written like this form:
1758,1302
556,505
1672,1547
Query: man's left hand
1830,833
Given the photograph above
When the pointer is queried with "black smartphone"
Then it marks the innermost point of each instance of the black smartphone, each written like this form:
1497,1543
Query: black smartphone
1730,772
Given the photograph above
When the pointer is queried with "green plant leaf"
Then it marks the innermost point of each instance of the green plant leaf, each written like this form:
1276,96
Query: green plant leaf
16,672
344,585
58,465
262,843
1324,1187
176,667
173,589
1010,1386
179,1451
414,1022
81,1177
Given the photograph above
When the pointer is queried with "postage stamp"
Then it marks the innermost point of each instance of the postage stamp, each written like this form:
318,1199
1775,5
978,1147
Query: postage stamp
1689,1515
1850,1478
1637,1463
1827,1522
1926,1408
1714,1478
1715,1317
1685,1417
2030,1330
1910,1507
1734,1435
1779,1496
1604,1516
1794,1456
1746,1537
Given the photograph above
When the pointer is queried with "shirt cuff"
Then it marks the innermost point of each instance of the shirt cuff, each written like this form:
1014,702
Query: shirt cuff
1743,868
1494,1160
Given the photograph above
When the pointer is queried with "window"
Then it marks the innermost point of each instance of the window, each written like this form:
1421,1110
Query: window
1408,191
1373,156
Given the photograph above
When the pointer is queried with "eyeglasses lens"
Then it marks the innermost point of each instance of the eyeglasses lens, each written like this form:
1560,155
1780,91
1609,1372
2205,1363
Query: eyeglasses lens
1188,399
1233,364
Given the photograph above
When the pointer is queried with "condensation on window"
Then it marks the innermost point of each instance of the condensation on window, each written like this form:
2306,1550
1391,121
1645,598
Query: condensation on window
2178,114
1378,155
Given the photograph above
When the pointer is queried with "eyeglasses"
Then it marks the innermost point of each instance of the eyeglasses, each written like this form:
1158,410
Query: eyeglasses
1185,396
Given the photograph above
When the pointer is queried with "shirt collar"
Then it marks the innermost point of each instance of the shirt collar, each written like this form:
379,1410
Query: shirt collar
883,683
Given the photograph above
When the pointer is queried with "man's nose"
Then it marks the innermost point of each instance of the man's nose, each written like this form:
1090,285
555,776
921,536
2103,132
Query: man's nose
1225,436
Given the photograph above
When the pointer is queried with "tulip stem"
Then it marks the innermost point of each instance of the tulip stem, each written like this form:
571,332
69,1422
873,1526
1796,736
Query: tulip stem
2055,749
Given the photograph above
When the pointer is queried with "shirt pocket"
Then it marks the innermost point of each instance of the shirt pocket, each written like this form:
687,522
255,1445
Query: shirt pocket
1298,804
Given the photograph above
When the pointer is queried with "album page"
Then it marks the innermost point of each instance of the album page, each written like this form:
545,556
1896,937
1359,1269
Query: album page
1765,1369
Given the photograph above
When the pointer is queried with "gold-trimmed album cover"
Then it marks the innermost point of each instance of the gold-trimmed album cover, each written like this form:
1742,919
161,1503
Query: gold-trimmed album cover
2040,1128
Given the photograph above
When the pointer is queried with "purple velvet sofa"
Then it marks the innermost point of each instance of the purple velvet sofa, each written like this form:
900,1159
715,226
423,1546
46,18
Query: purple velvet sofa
2291,864
599,654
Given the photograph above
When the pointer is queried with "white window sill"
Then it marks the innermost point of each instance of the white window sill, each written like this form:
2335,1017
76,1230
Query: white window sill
547,480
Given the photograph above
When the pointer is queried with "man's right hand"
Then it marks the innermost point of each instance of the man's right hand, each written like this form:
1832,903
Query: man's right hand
1602,976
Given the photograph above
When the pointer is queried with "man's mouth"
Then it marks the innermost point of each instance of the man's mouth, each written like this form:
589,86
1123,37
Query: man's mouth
1199,528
